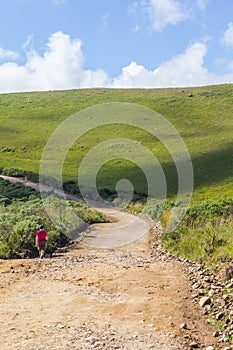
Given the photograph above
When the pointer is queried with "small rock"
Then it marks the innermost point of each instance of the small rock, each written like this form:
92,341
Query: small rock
211,293
214,287
229,285
61,326
229,272
195,295
207,308
183,326
201,292
210,348
194,345
223,339
216,334
220,315
204,301
207,279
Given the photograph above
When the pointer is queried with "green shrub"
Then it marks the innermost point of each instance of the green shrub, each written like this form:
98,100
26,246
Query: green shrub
15,190
13,172
8,149
205,234
5,200
4,250
71,187
20,220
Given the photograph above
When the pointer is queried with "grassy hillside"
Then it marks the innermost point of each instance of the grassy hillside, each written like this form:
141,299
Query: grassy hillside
205,121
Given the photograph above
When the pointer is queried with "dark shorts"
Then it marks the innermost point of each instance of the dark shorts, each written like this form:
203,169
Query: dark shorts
42,245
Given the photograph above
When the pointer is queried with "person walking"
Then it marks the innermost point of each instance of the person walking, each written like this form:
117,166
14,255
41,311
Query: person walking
41,240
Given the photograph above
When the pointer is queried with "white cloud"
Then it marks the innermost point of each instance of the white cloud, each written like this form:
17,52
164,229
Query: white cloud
8,54
104,20
28,42
202,4
186,69
228,35
61,66
165,12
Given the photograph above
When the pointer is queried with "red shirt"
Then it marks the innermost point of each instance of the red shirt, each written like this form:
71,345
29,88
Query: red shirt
41,235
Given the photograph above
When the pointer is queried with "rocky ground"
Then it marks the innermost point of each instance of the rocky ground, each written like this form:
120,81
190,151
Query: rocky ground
215,296
212,291
133,297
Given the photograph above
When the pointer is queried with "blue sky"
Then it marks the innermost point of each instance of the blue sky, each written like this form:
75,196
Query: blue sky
63,44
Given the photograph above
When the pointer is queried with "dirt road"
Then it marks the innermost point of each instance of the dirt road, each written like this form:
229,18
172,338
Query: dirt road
91,298
97,299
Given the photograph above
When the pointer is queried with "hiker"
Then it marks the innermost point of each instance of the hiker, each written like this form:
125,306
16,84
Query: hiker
41,239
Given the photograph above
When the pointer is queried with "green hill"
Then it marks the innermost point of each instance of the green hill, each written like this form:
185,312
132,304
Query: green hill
203,117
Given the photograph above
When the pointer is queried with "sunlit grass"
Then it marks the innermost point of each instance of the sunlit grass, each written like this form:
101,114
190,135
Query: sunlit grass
205,122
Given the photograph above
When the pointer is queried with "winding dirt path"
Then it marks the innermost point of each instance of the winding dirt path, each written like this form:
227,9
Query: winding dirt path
90,298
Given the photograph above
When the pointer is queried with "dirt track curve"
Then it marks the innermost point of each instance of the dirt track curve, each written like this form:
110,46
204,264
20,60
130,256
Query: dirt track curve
90,298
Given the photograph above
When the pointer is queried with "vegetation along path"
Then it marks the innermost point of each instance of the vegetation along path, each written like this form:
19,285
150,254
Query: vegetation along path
89,298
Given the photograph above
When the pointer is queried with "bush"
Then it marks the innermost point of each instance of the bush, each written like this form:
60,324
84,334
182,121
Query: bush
107,194
18,224
156,208
15,190
205,234
14,172
71,187
8,149
22,238
30,176
72,217
20,220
